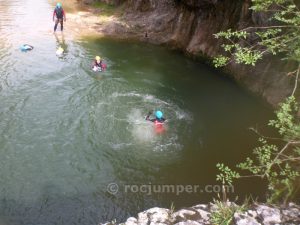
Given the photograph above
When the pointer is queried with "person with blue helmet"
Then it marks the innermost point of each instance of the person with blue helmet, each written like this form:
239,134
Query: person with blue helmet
26,47
60,15
159,117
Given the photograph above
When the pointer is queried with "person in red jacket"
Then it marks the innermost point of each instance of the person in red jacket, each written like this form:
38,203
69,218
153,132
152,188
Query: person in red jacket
60,15
98,64
158,121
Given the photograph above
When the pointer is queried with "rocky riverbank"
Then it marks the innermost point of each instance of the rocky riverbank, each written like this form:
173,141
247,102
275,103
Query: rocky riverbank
203,214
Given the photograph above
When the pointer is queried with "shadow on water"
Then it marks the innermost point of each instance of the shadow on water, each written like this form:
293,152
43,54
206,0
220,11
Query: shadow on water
60,41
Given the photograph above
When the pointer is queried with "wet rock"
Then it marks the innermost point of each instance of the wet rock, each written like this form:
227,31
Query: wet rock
189,222
203,211
204,215
154,215
291,214
268,215
183,215
200,215
201,206
245,219
153,223
131,221
143,218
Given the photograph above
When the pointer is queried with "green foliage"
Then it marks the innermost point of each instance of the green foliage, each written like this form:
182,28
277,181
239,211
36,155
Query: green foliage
221,61
232,34
224,212
247,56
286,121
278,164
264,5
275,160
172,209
282,38
227,175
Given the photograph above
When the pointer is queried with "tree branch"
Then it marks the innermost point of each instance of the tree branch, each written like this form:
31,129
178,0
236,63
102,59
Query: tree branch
259,134
296,81
269,27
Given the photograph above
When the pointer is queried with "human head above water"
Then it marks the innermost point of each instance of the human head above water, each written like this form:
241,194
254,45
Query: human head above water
98,58
159,114
58,5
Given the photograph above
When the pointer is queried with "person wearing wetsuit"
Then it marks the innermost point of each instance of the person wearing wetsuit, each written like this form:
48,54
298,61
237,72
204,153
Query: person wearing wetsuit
158,120
60,15
98,64
26,47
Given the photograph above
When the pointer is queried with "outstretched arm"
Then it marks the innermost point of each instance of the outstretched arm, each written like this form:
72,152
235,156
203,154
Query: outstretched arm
148,117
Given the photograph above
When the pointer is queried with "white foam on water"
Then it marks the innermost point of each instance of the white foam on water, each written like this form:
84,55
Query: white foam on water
165,147
142,130
119,146
130,94
183,115
144,97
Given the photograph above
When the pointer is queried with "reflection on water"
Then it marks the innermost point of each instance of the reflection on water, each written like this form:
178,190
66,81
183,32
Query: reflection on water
60,41
66,132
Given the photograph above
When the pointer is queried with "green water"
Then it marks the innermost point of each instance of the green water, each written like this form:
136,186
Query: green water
67,132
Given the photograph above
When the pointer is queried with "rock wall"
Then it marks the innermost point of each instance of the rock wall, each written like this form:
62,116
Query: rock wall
190,25
201,214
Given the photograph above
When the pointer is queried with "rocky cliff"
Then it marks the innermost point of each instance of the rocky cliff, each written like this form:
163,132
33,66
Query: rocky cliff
189,25
203,214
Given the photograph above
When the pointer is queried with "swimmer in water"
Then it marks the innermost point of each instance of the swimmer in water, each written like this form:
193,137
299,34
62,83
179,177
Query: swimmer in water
158,120
26,47
98,64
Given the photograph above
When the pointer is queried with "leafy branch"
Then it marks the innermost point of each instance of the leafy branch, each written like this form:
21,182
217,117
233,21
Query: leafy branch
279,38
278,165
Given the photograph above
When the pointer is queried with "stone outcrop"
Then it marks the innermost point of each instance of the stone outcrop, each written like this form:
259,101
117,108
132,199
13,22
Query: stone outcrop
201,214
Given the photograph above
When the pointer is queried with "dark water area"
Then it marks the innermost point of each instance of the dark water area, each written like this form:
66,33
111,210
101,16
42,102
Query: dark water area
70,136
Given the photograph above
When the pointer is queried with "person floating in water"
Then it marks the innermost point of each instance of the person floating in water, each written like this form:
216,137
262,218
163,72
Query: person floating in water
98,64
60,15
26,47
159,119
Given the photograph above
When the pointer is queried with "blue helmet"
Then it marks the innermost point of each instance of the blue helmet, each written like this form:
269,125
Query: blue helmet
159,114
58,5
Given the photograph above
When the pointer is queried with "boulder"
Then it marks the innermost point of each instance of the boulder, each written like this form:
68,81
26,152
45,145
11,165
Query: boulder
268,215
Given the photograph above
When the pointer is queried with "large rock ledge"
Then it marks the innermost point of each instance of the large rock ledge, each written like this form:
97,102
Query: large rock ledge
201,214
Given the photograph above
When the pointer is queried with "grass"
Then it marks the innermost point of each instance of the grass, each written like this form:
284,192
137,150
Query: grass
224,213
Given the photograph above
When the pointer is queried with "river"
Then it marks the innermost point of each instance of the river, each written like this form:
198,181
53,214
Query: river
70,136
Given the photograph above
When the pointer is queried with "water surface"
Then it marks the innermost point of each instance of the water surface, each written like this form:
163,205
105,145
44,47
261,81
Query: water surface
67,132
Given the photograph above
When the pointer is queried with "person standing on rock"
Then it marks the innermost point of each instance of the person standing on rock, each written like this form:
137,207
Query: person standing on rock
60,15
